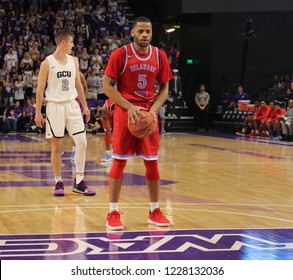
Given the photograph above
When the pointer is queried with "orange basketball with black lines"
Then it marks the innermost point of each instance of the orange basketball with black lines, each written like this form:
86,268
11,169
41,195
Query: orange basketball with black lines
144,127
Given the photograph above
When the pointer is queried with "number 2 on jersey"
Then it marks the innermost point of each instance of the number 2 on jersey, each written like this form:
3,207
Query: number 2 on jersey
65,86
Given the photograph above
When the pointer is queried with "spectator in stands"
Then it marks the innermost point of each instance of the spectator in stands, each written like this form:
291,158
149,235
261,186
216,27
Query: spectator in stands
9,120
21,46
70,26
276,84
28,112
289,92
95,121
84,60
104,53
287,81
248,120
82,34
88,72
239,95
3,72
70,15
33,101
79,8
26,60
107,37
201,99
272,123
85,26
259,119
18,115
287,122
101,76
11,59
125,40
8,90
50,48
126,28
19,91
13,74
114,43
175,92
112,6
35,53
96,61
41,59
34,81
227,101
92,82
26,74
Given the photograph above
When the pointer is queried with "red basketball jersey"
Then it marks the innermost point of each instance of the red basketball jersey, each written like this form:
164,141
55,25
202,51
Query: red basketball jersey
136,73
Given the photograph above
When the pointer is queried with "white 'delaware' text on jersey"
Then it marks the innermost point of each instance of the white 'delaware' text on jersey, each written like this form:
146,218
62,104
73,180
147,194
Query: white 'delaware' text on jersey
61,80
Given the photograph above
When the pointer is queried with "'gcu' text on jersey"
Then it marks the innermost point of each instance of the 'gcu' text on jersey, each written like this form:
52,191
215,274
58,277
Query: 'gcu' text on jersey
61,80
63,74
143,72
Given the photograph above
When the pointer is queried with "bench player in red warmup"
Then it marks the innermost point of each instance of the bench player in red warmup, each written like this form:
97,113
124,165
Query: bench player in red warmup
136,67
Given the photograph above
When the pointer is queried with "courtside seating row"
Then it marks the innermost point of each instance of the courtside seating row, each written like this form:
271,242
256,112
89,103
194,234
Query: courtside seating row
231,121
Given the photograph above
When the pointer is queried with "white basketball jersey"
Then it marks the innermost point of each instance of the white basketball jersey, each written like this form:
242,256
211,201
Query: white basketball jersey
61,80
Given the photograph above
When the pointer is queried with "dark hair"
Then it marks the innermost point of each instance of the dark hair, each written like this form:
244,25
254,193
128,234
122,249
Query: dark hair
141,19
277,103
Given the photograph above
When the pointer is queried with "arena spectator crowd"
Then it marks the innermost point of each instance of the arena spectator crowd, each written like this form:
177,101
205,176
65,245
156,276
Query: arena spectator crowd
27,29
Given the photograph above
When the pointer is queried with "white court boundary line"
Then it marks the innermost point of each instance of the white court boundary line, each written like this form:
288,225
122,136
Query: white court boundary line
147,205
177,209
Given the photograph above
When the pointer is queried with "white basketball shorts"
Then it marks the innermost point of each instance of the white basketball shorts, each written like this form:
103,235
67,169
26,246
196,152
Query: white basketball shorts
63,115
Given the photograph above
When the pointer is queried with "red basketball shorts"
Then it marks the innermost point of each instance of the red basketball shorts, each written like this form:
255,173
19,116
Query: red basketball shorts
125,145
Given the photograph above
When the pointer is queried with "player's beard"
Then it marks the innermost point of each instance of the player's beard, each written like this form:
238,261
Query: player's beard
142,43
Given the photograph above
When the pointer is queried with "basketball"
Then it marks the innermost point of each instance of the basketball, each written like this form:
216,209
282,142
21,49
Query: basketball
144,127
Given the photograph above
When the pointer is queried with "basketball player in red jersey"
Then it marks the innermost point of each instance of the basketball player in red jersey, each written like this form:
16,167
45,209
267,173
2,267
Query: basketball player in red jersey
107,121
136,67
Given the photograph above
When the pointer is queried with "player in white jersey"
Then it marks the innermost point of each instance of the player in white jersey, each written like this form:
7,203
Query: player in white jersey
59,76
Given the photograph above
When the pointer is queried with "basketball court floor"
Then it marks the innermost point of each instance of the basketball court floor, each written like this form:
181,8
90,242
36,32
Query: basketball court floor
228,198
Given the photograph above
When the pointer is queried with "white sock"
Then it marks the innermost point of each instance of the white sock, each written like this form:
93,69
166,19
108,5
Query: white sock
114,206
252,131
108,152
58,178
154,205
243,130
267,133
257,132
80,154
79,177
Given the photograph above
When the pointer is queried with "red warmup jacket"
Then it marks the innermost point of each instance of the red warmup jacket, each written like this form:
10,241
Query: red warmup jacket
263,113
276,114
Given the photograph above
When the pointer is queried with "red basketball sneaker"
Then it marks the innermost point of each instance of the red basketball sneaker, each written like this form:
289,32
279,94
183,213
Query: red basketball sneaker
113,221
158,218
252,134
240,133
